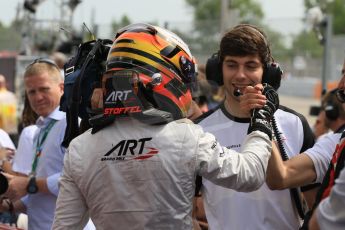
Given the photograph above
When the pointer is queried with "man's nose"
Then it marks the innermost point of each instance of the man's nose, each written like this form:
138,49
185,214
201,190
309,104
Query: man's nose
38,96
240,72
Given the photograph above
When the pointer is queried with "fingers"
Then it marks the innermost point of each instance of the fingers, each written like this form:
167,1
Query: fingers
97,99
6,153
8,176
9,153
248,105
253,89
259,87
252,98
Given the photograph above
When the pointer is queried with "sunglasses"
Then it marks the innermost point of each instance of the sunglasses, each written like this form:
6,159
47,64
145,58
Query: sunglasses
43,60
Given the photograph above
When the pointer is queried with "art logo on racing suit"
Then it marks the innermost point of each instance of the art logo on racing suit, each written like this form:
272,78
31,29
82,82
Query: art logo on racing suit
130,150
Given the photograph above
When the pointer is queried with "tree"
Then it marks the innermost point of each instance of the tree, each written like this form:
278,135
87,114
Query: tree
9,39
307,44
124,21
207,15
209,11
275,41
334,7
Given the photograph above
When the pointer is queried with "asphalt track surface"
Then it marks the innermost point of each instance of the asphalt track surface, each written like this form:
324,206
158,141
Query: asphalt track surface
301,105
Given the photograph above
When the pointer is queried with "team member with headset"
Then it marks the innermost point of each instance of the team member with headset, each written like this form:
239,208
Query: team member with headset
322,163
137,169
311,165
244,59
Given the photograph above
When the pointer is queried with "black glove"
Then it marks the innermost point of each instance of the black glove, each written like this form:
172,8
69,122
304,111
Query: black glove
261,118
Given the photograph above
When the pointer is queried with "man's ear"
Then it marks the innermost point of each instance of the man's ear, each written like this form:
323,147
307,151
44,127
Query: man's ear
61,85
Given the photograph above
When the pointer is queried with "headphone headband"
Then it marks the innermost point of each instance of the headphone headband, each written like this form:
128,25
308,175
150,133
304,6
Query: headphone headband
256,30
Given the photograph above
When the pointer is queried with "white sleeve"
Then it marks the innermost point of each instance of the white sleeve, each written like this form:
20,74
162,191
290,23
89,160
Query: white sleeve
245,171
5,140
321,153
25,152
331,211
71,210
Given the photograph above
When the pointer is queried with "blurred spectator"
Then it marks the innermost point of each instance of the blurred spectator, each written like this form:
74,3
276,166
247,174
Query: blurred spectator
7,149
218,96
330,214
36,194
321,163
5,140
330,111
211,95
8,108
29,116
44,87
320,127
202,90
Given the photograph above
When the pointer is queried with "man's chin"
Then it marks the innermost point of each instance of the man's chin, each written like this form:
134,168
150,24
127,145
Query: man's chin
42,112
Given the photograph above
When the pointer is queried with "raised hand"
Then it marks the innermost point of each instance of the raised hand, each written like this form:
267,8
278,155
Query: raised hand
261,117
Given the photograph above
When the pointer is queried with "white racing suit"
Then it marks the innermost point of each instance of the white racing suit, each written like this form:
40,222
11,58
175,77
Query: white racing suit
134,176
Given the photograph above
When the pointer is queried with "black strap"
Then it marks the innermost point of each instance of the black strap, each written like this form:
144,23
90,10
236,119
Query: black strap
72,112
295,192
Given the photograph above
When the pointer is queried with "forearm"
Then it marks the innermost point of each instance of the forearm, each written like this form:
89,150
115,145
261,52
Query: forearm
243,171
276,170
295,172
42,185
300,171
49,184
7,167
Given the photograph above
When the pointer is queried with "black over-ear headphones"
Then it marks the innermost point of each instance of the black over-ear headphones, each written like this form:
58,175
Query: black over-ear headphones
272,72
331,108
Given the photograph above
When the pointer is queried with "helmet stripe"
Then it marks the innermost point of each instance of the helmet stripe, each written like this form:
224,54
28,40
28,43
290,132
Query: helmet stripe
155,60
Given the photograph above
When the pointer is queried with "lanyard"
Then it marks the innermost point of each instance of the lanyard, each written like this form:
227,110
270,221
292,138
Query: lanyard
39,144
